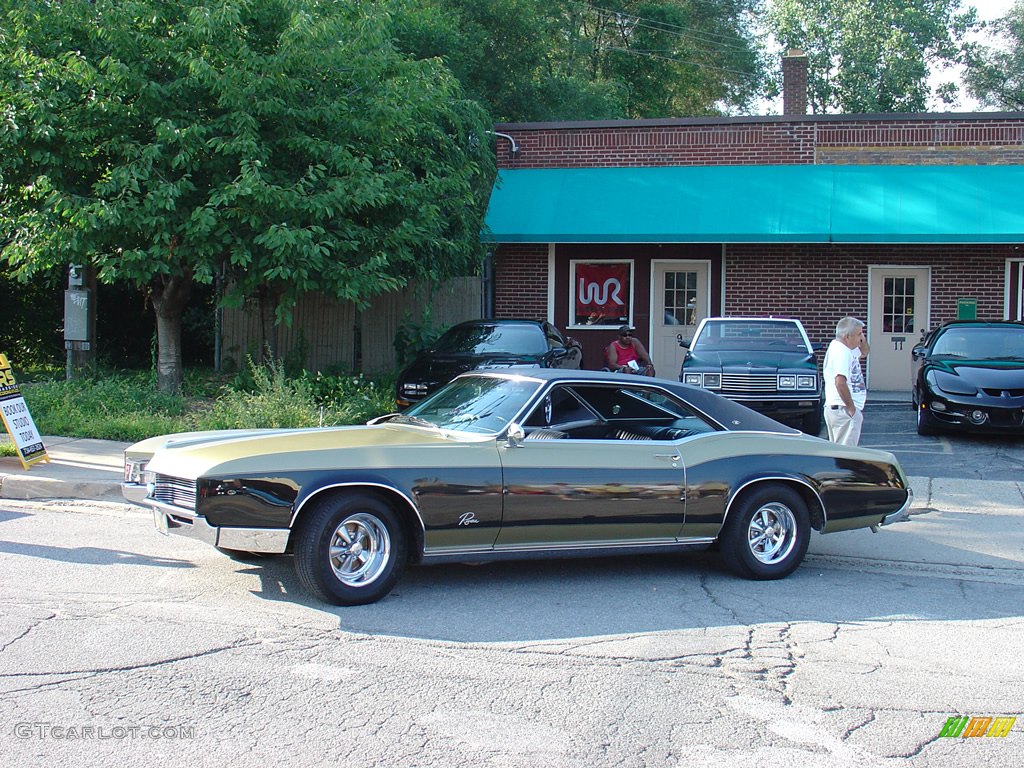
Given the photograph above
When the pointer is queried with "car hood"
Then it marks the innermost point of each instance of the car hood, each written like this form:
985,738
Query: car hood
744,360
447,367
985,374
287,450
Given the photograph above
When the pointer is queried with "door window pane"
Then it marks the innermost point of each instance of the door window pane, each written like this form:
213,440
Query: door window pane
680,298
898,305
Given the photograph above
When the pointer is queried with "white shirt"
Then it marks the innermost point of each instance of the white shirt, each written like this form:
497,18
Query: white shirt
840,360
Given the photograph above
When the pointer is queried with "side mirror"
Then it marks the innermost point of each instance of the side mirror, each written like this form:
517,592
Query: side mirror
817,347
515,435
919,353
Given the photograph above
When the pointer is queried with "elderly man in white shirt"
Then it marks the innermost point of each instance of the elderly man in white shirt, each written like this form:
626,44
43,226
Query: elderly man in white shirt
845,390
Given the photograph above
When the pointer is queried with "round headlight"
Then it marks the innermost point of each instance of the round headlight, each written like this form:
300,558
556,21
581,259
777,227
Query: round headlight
977,416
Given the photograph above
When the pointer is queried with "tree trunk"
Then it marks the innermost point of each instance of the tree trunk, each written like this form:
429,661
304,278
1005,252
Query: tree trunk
170,298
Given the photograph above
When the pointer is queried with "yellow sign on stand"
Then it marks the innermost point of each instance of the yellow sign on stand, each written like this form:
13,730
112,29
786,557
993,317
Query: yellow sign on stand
17,419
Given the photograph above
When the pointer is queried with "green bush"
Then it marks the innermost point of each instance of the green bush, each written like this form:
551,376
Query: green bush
126,406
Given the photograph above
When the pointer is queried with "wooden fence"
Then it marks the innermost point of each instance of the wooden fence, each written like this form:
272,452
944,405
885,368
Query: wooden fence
337,335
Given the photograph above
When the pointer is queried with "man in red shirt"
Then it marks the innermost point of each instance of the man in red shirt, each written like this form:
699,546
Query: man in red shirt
627,354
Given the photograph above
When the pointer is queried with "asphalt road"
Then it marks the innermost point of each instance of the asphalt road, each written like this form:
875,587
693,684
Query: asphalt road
978,457
122,647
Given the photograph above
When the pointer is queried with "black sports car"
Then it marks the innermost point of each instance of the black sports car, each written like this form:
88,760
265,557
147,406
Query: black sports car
517,464
486,345
970,376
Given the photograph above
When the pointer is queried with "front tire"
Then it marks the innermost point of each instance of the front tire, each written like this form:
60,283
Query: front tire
767,533
350,549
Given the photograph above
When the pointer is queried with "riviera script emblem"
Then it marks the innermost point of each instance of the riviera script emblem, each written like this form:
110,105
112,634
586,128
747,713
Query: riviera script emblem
468,518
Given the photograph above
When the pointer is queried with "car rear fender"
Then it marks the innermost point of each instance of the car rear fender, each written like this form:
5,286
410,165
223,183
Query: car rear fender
399,501
803,486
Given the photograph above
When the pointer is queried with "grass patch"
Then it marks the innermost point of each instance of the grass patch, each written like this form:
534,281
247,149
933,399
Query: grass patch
126,406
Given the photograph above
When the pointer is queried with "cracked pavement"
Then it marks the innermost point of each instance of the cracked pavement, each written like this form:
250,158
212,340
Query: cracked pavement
119,646
655,662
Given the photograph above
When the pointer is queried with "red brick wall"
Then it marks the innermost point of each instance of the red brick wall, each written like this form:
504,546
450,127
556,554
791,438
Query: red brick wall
521,282
820,284
766,141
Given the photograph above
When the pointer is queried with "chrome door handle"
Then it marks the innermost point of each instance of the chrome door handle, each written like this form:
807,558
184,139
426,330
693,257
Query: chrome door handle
669,456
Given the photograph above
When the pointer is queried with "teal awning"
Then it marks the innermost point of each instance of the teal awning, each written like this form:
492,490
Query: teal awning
759,204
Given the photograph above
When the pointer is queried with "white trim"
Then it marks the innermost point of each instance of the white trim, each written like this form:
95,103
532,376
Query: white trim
551,284
1008,288
721,283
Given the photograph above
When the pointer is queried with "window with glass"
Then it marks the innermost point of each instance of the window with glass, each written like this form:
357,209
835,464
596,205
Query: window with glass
600,293
680,298
898,305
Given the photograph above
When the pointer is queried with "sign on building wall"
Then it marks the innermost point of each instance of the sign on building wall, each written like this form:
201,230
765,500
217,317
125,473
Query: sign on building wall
601,292
17,420
966,309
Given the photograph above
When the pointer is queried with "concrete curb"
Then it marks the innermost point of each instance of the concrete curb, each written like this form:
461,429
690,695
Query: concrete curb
79,468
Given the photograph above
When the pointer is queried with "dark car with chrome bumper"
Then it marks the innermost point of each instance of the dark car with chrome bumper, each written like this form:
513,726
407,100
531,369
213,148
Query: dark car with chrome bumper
767,364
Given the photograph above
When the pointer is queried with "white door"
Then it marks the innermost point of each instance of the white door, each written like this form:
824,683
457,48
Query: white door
897,313
680,301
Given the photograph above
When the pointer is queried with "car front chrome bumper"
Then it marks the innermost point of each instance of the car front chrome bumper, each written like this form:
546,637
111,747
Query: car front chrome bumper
179,522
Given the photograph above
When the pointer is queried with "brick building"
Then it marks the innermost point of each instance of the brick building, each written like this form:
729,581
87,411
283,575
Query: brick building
905,221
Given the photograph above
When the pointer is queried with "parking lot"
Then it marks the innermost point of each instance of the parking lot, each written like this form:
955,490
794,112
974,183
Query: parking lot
891,425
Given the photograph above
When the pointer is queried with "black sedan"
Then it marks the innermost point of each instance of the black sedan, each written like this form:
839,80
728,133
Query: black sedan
516,465
970,376
486,345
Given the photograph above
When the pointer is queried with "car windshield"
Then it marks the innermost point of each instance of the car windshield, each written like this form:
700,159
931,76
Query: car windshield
735,335
491,338
473,404
981,343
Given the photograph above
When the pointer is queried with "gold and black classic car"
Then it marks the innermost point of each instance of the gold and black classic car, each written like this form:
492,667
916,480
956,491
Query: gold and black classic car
517,464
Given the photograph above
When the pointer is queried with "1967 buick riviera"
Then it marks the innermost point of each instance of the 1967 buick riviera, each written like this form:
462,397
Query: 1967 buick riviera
517,464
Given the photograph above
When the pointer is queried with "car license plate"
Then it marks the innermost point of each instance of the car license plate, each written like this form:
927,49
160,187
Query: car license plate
160,521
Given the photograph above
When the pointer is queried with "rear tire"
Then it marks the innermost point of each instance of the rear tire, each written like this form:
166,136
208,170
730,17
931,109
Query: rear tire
766,533
350,549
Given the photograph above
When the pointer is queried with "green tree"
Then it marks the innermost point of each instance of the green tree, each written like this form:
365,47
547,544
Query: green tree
874,55
590,59
284,143
995,74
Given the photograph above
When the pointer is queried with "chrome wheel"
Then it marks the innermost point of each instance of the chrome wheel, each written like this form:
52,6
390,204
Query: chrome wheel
771,534
350,548
360,549
766,532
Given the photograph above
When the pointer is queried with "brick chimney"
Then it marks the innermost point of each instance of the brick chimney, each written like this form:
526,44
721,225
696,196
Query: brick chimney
794,82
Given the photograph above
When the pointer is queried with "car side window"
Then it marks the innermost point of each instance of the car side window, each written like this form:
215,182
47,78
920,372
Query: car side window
602,412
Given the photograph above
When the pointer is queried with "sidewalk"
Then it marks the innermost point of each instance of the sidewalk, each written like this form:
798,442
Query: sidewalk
79,468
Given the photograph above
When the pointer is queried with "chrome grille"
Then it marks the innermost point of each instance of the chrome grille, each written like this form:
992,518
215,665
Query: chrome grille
749,383
174,491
